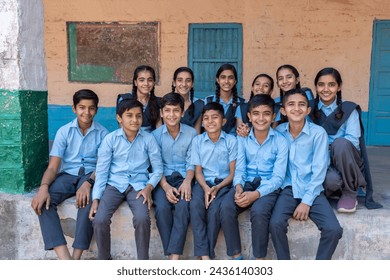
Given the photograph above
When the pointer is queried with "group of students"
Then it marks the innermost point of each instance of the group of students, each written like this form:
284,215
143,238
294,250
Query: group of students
206,161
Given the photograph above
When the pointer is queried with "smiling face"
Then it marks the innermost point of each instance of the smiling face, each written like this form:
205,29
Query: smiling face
327,88
213,121
261,117
183,83
131,120
262,85
171,115
226,80
296,108
286,79
144,83
85,111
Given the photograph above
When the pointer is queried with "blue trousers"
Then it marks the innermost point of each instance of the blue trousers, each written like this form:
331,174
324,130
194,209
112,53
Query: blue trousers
205,223
321,213
172,219
109,203
260,214
64,187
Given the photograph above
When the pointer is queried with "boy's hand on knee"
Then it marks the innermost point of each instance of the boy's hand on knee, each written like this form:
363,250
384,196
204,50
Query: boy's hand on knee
301,213
94,207
172,195
147,194
239,191
247,198
185,190
210,195
41,198
83,195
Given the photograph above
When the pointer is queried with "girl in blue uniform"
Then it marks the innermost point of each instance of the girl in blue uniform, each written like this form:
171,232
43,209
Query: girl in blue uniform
349,162
226,94
183,83
144,80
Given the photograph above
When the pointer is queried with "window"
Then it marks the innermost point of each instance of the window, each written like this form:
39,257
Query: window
101,52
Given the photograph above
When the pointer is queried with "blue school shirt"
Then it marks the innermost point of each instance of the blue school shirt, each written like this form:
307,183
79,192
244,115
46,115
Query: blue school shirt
308,161
238,114
122,163
176,153
77,150
223,103
267,160
214,158
349,130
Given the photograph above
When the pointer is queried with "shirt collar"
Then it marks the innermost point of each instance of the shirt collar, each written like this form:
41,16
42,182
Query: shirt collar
221,136
165,129
75,124
331,107
305,129
121,132
270,134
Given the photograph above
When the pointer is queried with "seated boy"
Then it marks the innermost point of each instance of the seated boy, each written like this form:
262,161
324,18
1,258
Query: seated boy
260,172
171,198
124,159
303,195
214,154
71,172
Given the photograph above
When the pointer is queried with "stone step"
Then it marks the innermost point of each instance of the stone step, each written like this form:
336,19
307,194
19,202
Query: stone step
366,234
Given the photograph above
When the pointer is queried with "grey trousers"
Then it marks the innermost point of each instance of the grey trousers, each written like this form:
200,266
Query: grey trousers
109,203
345,173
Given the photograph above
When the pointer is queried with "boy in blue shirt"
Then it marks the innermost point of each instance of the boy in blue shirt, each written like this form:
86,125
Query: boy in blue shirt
71,172
172,197
122,174
214,155
303,195
260,172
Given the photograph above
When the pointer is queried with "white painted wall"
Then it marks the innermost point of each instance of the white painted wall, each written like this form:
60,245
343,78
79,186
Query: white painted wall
22,55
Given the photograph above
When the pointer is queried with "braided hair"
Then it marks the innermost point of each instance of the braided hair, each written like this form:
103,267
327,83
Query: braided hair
296,74
153,108
188,70
336,75
224,67
271,84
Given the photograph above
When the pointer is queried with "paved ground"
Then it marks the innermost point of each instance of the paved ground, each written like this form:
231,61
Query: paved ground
380,171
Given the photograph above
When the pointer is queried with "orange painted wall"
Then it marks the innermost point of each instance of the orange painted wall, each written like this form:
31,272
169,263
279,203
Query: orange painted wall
309,34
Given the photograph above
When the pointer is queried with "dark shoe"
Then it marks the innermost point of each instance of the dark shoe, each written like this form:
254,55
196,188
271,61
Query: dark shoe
347,205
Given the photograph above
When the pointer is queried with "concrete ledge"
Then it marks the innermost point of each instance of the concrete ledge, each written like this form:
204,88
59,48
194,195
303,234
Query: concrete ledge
366,234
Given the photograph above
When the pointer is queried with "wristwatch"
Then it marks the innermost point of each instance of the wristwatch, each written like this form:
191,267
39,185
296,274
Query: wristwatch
91,181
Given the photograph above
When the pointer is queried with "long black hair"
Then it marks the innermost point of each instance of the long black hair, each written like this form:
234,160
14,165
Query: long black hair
224,67
336,75
296,74
271,84
153,106
188,70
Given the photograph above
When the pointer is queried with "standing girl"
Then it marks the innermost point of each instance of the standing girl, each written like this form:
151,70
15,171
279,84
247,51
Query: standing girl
183,83
262,84
226,94
144,80
287,78
349,163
